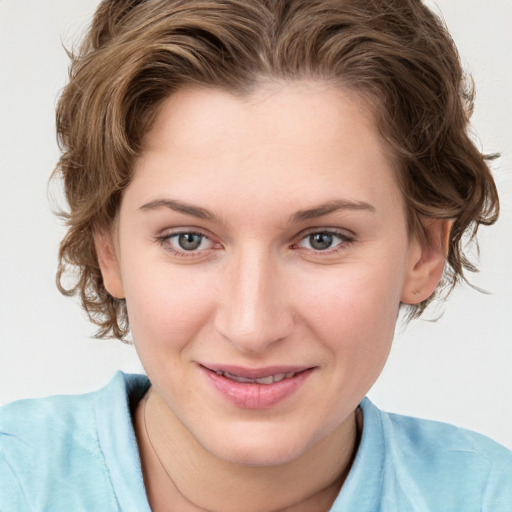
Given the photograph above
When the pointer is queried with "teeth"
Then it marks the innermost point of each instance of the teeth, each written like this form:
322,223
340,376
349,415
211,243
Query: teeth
237,377
278,377
266,380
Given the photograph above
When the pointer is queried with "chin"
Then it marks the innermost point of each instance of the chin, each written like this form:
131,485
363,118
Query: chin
258,456
257,449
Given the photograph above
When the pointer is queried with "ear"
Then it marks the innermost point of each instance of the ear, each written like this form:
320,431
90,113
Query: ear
426,261
109,264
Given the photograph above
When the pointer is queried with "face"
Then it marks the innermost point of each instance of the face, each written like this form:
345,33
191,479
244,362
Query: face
263,253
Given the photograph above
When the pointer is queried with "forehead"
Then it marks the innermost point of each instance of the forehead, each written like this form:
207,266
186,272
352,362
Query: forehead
295,111
299,136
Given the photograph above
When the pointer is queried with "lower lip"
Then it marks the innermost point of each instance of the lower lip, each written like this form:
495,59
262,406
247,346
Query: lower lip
254,395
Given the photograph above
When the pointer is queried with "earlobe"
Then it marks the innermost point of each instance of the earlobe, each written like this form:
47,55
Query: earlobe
426,262
109,264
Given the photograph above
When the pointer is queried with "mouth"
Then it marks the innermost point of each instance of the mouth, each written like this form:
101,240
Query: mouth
270,379
256,388
266,375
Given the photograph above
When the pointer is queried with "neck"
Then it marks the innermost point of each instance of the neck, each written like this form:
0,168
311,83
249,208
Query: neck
180,474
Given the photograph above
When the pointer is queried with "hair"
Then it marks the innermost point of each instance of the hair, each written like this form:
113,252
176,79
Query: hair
395,53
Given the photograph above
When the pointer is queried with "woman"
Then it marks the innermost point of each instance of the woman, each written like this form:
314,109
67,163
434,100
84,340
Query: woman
255,189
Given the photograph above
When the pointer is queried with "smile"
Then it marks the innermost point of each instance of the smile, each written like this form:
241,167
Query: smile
261,388
278,377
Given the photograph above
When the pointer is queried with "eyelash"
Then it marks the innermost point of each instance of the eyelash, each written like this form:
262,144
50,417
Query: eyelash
165,241
344,240
343,237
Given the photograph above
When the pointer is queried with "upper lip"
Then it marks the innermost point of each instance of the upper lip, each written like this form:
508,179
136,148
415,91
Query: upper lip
254,373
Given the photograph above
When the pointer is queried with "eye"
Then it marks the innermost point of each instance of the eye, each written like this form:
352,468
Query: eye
189,241
324,240
185,242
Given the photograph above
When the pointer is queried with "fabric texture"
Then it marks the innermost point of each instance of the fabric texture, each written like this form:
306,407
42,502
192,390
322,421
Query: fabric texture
79,453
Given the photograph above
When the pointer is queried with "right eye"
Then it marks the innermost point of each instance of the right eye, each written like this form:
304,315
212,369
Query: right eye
186,243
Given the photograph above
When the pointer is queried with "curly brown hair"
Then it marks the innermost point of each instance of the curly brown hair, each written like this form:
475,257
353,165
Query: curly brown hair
396,53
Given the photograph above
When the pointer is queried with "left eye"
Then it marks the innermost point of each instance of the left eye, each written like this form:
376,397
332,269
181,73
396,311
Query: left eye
322,240
188,241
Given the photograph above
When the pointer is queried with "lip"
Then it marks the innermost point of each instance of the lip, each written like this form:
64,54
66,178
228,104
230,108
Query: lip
254,373
253,395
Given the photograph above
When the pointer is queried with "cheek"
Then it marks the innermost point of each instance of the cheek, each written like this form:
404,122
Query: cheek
354,312
356,297
166,306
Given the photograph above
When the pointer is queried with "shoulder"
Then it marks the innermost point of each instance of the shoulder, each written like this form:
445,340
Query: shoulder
43,419
423,433
52,447
442,465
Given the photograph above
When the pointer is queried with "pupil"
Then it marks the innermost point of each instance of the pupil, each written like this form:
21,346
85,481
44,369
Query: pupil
320,241
189,241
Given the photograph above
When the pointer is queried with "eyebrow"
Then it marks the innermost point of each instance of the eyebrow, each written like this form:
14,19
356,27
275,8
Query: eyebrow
181,207
330,207
299,216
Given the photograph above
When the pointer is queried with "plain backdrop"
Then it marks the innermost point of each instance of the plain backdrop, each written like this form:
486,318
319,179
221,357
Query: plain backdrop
457,369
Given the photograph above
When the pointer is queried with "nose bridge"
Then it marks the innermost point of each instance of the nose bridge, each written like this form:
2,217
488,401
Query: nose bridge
254,312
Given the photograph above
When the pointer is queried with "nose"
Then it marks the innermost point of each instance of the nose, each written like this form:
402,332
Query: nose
253,311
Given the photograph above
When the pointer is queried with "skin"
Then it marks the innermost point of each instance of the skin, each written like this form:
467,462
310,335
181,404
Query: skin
257,292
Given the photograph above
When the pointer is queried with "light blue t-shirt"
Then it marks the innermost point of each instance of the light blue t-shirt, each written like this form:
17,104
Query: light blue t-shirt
79,453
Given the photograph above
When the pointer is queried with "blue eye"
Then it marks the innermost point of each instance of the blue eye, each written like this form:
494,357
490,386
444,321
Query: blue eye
189,241
323,240
186,242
